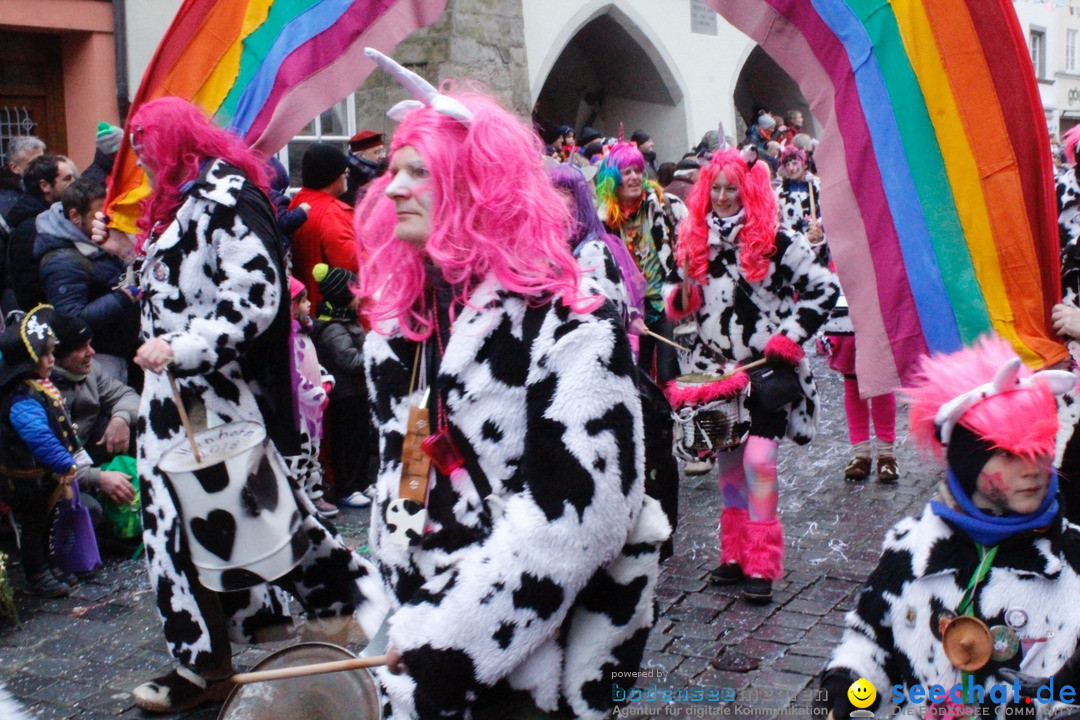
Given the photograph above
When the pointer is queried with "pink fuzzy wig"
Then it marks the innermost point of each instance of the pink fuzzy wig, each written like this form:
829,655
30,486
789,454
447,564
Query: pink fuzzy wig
1023,422
757,239
1070,140
622,155
494,212
172,138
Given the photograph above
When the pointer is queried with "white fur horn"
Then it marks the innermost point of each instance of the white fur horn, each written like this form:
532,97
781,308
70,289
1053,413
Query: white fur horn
1005,378
420,89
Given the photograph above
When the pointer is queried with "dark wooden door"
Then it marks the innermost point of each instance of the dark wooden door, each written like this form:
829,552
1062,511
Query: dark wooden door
31,90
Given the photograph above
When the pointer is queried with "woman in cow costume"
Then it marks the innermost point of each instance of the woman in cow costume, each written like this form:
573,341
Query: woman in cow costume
215,312
522,563
756,291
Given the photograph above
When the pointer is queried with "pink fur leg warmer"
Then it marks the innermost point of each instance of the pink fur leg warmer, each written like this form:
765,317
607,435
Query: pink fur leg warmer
763,549
783,349
732,532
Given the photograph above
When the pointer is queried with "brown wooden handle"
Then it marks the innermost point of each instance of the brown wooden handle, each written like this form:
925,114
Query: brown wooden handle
183,416
747,366
664,340
307,670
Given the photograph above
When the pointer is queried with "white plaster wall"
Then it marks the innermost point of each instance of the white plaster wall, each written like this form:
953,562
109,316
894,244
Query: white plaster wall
705,68
147,21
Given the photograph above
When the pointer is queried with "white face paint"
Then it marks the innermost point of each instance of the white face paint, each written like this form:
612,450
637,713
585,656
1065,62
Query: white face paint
411,190
725,197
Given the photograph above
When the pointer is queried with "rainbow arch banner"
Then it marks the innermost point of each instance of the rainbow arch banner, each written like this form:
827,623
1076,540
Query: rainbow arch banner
263,68
935,167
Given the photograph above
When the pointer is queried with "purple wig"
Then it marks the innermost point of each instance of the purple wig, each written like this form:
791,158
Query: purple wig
570,179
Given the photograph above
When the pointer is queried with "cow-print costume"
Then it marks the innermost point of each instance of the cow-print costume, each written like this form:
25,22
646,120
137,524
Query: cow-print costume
797,292
793,199
893,634
212,285
536,593
1068,205
599,264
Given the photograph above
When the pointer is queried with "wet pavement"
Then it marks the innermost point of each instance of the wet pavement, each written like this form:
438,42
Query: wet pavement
80,657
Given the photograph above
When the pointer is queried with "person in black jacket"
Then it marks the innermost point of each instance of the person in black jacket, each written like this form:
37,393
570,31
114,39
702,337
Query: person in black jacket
80,279
339,341
45,179
106,145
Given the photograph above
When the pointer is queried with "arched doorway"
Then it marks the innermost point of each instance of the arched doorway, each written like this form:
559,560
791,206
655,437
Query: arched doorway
609,72
764,84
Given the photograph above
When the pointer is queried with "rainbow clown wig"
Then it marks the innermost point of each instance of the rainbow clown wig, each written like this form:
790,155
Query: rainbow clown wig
757,238
622,155
494,213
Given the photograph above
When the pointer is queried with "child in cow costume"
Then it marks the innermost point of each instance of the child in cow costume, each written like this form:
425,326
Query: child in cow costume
990,556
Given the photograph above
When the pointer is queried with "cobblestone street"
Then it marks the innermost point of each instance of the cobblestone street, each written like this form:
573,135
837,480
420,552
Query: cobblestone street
79,657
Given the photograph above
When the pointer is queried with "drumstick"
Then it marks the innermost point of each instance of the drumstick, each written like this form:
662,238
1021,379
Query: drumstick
183,417
306,670
747,366
813,204
664,340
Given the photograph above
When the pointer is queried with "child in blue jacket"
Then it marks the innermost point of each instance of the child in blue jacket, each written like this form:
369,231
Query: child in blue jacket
38,445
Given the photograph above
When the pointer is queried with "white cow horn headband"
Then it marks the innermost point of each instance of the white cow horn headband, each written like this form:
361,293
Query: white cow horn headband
1007,378
426,94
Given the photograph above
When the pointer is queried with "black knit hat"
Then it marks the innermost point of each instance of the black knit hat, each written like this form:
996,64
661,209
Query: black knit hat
587,135
335,284
640,137
71,334
321,165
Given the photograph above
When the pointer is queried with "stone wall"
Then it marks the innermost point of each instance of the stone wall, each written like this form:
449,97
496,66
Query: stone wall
477,40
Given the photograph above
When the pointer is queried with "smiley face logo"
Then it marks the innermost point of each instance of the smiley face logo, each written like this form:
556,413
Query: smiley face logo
862,693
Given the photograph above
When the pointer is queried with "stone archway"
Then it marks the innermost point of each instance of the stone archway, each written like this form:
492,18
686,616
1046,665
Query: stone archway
763,83
610,72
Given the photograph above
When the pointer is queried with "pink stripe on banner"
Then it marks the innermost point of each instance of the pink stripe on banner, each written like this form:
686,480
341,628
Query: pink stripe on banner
847,232
340,66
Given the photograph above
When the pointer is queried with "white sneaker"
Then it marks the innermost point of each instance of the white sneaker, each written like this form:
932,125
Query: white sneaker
355,500
698,468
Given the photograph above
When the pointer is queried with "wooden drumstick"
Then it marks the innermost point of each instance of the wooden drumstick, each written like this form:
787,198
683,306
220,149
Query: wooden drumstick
308,670
664,340
747,366
183,417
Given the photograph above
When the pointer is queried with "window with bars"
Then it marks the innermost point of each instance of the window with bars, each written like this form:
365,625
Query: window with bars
334,125
14,121
1070,49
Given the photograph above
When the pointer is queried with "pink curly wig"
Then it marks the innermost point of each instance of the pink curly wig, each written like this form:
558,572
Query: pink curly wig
172,138
1023,421
494,212
757,238
622,155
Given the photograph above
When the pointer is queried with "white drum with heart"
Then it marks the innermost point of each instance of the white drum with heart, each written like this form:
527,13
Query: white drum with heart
242,523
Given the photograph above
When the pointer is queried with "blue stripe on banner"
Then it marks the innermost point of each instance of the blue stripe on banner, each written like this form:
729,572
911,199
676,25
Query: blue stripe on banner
920,262
298,31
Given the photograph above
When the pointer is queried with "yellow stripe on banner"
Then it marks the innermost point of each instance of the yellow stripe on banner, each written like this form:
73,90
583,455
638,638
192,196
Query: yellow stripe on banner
124,211
220,81
960,166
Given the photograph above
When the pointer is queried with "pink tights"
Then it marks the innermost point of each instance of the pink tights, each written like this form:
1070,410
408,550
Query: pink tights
881,407
748,478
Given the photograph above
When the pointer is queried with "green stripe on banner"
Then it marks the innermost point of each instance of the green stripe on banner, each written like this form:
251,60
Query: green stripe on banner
927,167
255,48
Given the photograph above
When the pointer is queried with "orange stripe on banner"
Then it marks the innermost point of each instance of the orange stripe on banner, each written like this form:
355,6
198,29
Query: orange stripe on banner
219,32
976,96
